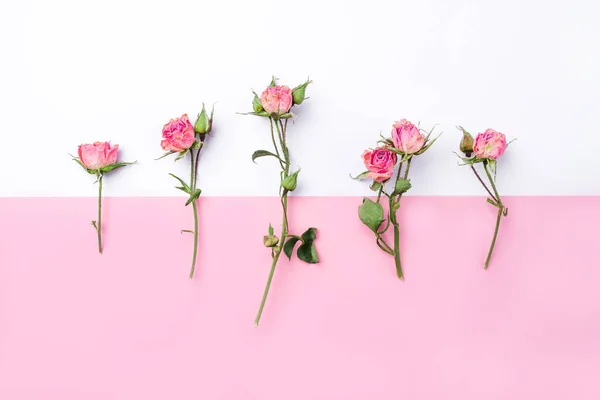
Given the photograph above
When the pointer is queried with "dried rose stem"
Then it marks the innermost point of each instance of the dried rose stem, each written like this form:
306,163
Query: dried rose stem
193,173
99,226
498,218
394,204
284,224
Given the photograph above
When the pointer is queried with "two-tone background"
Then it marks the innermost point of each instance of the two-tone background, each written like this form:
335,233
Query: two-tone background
129,324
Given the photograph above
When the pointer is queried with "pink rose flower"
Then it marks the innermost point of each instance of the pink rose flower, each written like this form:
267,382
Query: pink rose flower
277,99
178,134
490,144
406,137
98,154
380,163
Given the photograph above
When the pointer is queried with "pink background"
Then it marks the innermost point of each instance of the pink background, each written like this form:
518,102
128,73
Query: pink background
129,324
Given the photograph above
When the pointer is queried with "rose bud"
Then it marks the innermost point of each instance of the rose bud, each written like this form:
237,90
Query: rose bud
406,137
290,182
490,144
276,99
178,135
256,104
97,155
270,240
380,163
203,124
298,93
466,144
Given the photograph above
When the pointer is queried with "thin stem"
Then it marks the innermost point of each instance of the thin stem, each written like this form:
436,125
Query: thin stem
196,167
483,183
394,203
195,239
99,226
193,172
498,218
284,222
275,144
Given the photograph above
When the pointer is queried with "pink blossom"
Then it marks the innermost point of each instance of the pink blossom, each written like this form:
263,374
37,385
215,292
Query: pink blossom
406,137
97,155
490,144
380,163
277,99
178,134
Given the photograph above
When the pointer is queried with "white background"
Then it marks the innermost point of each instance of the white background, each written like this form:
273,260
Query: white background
79,71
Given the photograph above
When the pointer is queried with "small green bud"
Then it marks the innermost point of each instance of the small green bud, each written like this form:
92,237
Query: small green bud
203,124
270,240
466,144
256,104
299,92
290,182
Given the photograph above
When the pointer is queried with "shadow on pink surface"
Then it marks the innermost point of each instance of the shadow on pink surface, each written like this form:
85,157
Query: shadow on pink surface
129,324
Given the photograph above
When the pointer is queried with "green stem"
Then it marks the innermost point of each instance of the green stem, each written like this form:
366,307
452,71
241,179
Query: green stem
498,218
284,222
193,172
483,183
393,208
99,226
275,144
195,238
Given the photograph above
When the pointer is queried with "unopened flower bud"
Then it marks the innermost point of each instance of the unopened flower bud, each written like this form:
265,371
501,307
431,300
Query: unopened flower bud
290,182
466,144
299,92
270,240
203,123
257,105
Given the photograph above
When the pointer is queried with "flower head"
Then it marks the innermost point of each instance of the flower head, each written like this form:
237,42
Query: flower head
406,137
490,144
380,163
178,134
97,155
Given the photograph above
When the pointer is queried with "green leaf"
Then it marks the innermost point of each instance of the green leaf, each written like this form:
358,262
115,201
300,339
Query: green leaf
181,155
468,161
264,153
168,153
273,81
89,171
288,247
371,214
492,202
183,184
258,114
291,181
360,176
111,167
271,231
375,186
307,251
193,197
402,186
492,165
427,146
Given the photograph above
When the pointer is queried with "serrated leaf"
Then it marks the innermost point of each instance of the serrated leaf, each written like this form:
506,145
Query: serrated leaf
360,176
193,197
264,153
307,251
288,247
402,186
371,214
